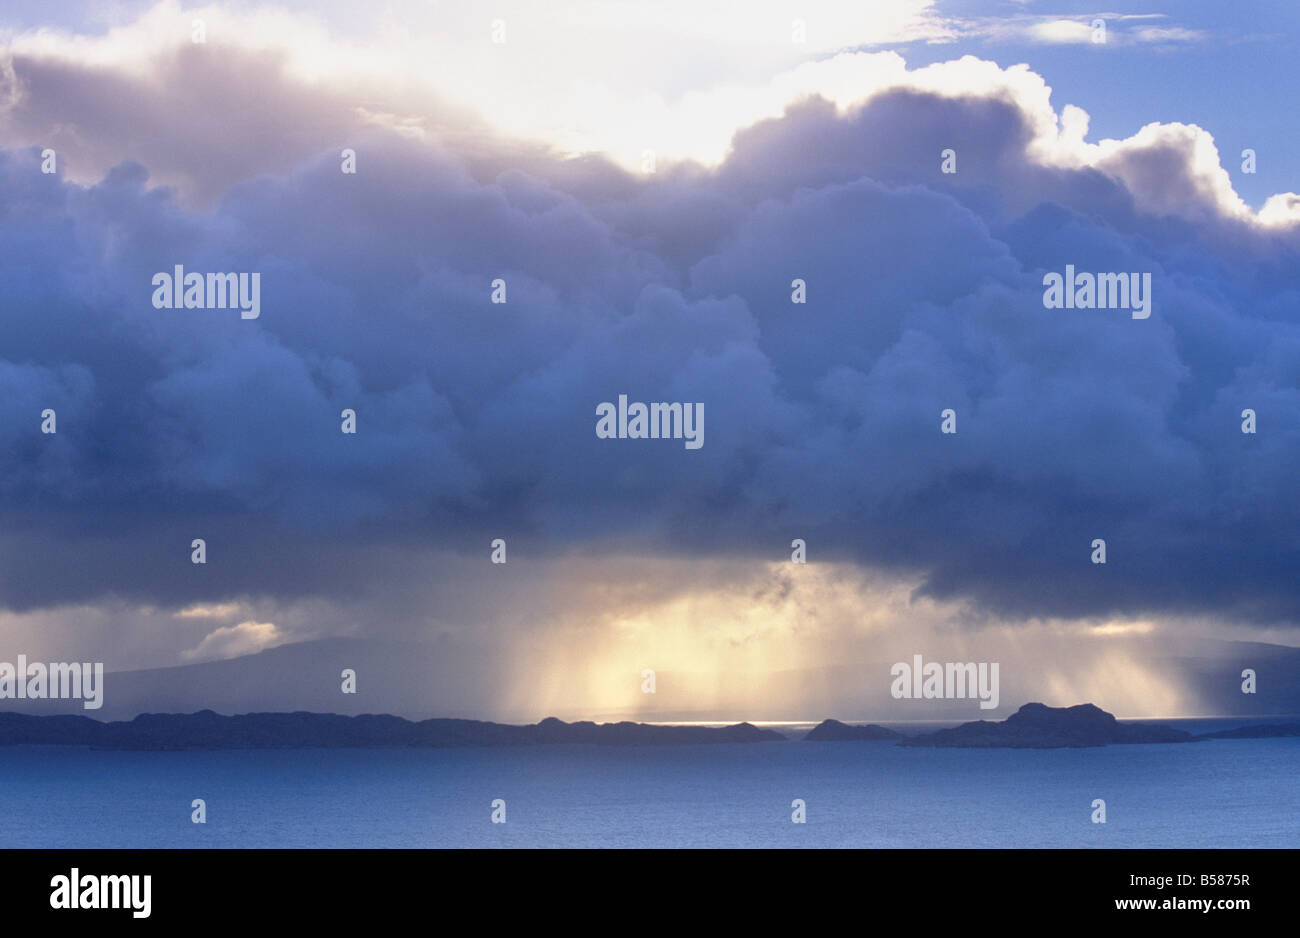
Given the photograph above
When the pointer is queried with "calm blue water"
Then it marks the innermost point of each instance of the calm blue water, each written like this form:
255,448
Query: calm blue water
1231,793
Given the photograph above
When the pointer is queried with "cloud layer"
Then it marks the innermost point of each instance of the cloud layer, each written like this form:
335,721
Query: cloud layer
476,420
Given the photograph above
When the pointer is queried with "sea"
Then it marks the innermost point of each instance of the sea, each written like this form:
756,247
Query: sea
1218,793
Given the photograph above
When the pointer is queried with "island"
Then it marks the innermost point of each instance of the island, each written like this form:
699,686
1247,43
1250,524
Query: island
835,731
1033,726
209,730
1037,726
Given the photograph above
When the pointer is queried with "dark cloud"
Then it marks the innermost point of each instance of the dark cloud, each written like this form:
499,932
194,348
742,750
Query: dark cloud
477,420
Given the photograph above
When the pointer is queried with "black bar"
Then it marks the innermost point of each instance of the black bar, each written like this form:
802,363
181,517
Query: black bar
994,887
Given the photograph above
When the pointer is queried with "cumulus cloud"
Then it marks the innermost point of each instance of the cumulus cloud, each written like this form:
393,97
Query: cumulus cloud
231,641
477,420
144,91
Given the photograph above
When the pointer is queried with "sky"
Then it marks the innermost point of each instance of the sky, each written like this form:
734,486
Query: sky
648,181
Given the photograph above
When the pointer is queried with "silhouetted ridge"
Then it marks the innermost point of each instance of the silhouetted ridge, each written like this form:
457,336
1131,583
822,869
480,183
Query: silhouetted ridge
1033,726
835,731
1036,726
208,730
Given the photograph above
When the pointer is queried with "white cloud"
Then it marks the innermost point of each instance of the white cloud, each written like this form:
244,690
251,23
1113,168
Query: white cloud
537,85
209,611
1120,30
231,641
1059,31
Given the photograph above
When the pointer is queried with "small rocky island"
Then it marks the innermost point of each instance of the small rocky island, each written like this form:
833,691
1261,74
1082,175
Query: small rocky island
835,731
1037,726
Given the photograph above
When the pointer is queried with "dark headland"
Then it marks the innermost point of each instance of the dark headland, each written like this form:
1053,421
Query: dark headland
835,731
208,730
1037,726
1033,726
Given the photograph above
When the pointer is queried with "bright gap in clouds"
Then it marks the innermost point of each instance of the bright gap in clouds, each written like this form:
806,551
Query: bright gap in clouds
645,87
677,78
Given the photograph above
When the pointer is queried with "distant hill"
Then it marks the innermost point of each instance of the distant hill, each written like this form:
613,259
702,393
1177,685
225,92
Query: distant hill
208,730
835,731
1211,672
1035,726
412,679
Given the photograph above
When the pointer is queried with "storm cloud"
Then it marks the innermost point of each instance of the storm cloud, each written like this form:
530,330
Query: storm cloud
476,420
